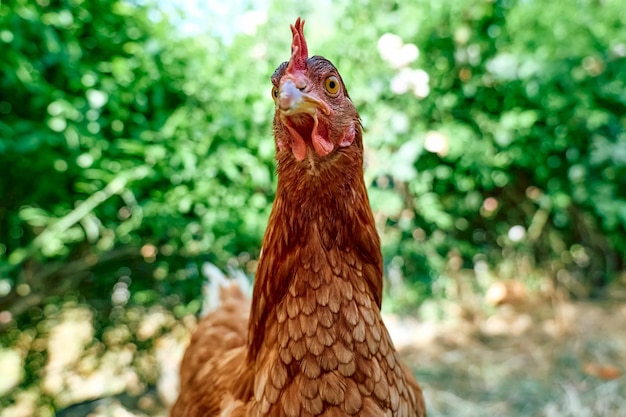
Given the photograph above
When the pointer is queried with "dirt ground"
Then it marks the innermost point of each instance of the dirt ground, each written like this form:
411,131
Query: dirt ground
568,363
564,359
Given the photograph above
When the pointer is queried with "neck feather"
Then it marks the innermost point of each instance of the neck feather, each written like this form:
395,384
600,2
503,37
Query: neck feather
320,221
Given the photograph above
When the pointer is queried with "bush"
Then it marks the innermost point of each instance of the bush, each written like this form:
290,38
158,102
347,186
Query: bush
495,133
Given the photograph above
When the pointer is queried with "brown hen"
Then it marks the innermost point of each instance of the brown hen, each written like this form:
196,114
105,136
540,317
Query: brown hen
315,344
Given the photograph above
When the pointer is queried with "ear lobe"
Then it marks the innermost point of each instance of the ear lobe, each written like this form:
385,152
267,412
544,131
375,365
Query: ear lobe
348,136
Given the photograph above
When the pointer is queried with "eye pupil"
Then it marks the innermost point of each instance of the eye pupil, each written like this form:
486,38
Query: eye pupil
332,86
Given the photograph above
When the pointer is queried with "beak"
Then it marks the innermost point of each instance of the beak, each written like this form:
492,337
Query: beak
292,100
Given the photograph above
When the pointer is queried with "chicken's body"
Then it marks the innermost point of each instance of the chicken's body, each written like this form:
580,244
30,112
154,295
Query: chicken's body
316,344
214,366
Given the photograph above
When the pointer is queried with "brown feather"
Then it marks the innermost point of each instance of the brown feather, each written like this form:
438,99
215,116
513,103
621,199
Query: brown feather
315,343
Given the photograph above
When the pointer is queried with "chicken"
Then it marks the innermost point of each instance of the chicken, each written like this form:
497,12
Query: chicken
315,344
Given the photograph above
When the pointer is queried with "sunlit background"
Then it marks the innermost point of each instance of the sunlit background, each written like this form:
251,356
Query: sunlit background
136,163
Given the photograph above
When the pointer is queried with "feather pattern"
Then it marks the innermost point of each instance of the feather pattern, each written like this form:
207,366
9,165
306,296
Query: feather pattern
315,343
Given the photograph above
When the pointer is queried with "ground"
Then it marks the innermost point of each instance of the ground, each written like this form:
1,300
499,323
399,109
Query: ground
520,364
544,358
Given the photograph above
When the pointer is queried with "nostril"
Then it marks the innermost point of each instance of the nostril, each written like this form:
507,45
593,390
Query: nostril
301,85
285,101
288,96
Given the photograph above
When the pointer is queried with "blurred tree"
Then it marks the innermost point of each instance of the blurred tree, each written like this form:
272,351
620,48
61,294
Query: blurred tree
496,135
130,154
119,143
501,127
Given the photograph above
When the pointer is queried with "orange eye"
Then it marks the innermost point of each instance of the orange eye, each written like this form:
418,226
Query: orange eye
332,85
275,93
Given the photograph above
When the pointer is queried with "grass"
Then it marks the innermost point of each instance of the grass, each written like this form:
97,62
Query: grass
573,369
526,360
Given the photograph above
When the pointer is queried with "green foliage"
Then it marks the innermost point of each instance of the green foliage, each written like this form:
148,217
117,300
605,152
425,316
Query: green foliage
123,144
517,151
116,134
130,155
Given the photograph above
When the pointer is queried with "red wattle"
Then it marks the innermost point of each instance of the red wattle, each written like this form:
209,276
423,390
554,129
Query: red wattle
321,142
298,147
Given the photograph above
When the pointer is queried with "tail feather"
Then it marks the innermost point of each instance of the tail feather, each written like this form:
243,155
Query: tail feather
217,347
218,288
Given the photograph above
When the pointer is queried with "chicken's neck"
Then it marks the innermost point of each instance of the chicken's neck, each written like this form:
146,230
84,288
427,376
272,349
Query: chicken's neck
321,231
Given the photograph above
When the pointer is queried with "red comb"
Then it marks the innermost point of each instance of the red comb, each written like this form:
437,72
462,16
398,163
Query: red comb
299,50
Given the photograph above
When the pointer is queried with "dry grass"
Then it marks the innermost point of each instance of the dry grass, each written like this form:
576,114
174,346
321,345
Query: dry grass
567,367
522,361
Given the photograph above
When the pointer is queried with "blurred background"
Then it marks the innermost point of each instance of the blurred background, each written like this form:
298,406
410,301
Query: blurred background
136,161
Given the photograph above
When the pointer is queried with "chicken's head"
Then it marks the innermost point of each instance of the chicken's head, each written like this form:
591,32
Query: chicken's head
313,110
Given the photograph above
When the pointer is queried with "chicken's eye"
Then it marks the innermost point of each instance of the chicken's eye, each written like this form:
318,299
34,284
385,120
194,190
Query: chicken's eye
274,93
332,85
